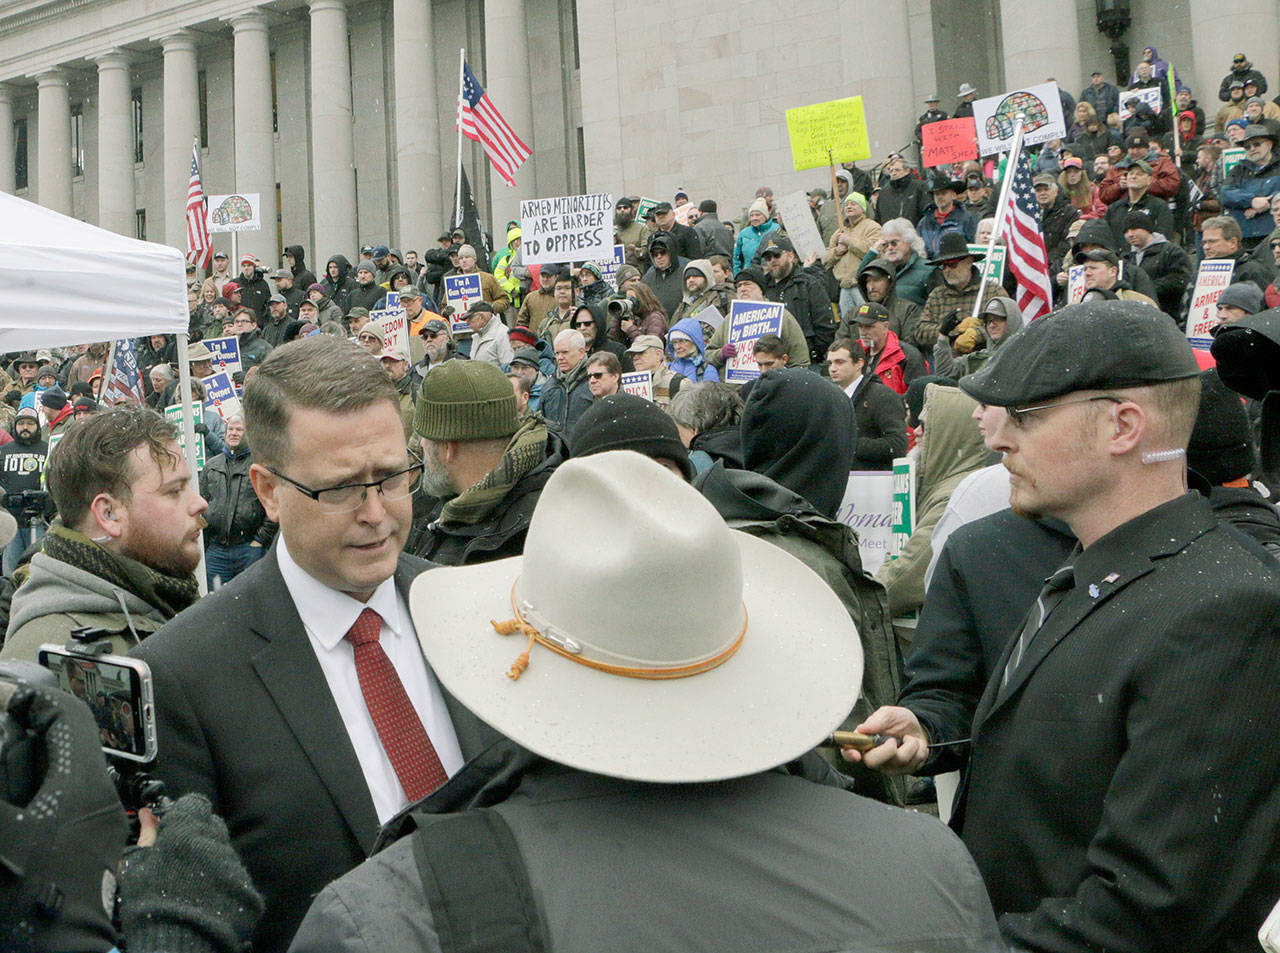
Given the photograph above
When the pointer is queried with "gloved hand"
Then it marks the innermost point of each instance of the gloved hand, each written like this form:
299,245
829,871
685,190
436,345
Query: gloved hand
201,429
189,892
968,336
58,853
948,324
728,351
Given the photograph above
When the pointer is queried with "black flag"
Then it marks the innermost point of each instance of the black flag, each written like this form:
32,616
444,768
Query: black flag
471,224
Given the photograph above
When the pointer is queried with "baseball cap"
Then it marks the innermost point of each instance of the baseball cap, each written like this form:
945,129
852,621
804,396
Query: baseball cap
870,313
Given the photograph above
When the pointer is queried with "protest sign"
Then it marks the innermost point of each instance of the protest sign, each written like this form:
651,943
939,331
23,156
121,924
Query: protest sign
226,354
568,228
1230,159
1075,284
395,334
825,133
235,213
748,322
638,383
1211,280
684,212
797,219
993,265
609,266
220,395
867,507
173,414
392,300
1149,96
904,503
643,206
461,290
1042,120
949,140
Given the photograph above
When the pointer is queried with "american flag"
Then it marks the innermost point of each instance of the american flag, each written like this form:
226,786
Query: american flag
199,247
480,120
124,377
1028,257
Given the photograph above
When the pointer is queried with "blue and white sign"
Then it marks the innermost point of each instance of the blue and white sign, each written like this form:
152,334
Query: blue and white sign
460,292
609,266
226,353
220,395
748,322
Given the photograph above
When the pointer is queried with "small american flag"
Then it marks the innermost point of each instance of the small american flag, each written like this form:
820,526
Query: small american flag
124,378
1028,257
199,247
480,120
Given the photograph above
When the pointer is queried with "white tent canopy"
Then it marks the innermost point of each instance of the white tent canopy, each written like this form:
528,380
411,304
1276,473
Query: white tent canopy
65,282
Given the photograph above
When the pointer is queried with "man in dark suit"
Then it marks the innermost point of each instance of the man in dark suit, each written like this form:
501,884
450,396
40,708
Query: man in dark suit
1108,803
297,698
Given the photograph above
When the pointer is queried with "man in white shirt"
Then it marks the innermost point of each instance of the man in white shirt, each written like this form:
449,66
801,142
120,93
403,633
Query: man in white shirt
296,698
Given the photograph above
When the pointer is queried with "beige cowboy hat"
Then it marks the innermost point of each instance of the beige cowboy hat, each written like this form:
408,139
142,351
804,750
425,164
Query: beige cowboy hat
711,655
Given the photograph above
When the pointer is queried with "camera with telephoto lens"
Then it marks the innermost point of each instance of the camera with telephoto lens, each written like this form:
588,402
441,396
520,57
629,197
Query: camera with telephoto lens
622,307
29,504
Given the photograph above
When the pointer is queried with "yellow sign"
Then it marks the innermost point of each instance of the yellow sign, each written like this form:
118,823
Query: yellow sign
828,132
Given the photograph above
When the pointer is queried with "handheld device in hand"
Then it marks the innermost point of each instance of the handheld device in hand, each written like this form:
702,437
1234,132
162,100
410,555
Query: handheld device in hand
117,689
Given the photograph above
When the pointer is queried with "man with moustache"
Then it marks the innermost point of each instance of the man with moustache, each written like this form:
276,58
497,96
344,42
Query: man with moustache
121,554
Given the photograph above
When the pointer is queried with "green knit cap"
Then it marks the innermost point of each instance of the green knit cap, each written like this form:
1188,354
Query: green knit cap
465,400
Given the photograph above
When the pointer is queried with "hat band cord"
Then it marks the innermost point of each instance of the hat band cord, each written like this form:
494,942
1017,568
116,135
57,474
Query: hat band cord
521,624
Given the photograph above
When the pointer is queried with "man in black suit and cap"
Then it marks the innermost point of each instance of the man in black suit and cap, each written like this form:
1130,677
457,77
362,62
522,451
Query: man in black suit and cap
1108,803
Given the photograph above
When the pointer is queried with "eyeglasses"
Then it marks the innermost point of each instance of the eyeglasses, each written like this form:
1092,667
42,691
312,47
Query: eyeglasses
1018,415
348,497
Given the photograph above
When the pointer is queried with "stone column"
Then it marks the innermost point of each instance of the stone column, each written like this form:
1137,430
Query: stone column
115,144
506,80
54,150
1218,32
421,213
254,138
7,144
181,126
333,174
1041,39
874,63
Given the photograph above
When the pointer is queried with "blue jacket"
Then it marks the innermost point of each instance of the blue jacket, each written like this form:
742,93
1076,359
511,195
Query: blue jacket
1245,183
694,368
931,231
749,239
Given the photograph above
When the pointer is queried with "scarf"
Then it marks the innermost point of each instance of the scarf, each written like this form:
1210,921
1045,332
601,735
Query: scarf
527,449
168,594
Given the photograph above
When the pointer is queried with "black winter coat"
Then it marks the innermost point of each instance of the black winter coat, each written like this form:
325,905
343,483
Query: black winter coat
881,421
905,198
234,515
1169,269
806,297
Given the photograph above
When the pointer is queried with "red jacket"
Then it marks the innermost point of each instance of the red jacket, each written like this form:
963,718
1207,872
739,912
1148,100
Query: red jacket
1164,181
890,366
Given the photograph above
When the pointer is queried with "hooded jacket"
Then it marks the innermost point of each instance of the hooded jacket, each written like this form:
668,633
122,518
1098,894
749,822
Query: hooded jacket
254,292
339,291
946,363
950,449
303,277
1246,182
901,198
1169,268
366,296
912,279
708,297
1245,73
798,430
668,285
695,368
748,243
904,315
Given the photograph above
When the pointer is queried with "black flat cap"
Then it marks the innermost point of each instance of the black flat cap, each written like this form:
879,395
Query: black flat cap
1101,345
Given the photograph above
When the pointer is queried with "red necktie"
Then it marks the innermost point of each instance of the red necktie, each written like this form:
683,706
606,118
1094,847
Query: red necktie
403,738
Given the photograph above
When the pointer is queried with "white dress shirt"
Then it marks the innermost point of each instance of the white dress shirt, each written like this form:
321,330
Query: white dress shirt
328,615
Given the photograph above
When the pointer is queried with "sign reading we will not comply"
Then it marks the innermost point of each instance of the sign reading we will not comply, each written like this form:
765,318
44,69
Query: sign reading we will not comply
569,228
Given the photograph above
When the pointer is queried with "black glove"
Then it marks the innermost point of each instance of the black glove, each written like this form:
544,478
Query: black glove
949,323
201,429
58,853
188,893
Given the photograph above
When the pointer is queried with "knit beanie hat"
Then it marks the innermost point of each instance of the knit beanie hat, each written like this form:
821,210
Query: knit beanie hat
759,205
465,400
856,197
625,273
627,422
1221,448
54,398
521,337
1244,295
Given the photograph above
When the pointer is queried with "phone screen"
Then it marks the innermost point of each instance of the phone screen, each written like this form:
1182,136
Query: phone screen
113,692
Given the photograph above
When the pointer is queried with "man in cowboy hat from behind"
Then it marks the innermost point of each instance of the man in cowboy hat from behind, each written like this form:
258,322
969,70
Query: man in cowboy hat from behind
639,806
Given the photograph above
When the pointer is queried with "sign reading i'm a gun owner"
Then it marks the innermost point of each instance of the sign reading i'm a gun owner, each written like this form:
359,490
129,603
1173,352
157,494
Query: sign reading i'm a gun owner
569,228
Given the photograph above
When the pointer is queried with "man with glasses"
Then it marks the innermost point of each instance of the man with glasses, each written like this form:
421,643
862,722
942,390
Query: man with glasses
1246,193
1107,803
296,697
484,466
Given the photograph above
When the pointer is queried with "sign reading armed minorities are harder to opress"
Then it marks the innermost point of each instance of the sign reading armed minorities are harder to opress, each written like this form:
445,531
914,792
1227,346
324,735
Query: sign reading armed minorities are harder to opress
569,228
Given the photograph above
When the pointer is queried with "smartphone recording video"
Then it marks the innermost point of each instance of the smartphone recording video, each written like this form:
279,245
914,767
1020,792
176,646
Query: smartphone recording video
117,690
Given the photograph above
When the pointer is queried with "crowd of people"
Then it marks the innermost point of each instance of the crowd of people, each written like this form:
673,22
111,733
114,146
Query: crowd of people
1082,619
